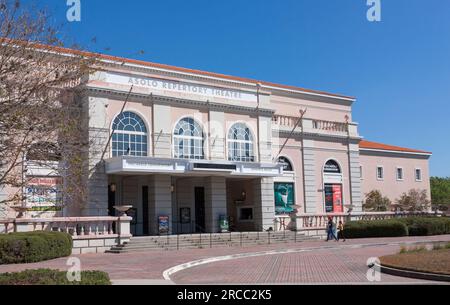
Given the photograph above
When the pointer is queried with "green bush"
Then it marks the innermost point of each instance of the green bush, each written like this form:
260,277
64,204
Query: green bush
31,247
376,228
53,277
426,226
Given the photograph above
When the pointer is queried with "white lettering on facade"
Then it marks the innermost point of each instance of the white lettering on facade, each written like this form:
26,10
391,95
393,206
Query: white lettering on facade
166,85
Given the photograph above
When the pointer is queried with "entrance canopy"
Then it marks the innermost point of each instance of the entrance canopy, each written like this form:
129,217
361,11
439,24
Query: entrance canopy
146,165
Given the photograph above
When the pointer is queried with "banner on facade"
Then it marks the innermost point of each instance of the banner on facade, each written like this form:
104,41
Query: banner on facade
333,198
284,198
337,198
43,191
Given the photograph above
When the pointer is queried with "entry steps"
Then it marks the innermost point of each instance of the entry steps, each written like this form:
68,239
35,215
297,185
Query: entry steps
206,240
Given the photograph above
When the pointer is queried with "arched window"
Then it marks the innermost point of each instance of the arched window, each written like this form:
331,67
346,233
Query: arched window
287,165
188,140
130,136
332,167
240,144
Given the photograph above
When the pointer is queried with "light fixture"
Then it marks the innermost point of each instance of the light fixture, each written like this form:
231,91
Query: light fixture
113,187
172,188
244,195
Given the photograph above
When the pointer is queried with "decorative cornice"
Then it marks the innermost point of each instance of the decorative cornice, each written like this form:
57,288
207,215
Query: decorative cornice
185,102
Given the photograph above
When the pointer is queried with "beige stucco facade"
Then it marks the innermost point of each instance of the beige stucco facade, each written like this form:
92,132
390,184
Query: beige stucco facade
194,193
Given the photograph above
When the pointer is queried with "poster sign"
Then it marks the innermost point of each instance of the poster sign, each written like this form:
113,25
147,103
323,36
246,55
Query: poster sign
284,198
328,198
333,198
185,215
337,198
44,191
163,225
224,226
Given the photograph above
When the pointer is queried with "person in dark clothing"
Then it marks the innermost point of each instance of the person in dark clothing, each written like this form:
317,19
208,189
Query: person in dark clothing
341,234
331,228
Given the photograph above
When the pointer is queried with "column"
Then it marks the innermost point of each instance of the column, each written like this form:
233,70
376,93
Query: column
97,180
162,131
215,202
265,139
355,176
160,201
309,176
264,211
217,138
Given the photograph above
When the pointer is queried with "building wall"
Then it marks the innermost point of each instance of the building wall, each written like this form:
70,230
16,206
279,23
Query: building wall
390,186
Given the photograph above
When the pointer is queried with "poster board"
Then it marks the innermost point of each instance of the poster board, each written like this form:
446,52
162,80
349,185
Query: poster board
284,198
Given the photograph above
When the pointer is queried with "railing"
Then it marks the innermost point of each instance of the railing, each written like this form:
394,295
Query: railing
283,120
6,226
290,121
330,126
77,227
319,221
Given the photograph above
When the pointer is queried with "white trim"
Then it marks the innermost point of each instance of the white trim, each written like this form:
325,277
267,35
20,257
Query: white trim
382,171
415,174
396,151
225,80
149,134
403,173
253,142
205,138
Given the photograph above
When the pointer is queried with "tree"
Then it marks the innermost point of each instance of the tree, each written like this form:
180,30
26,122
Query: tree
440,192
414,200
375,202
41,107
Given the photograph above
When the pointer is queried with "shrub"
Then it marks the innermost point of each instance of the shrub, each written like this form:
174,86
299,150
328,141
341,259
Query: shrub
414,200
53,277
376,228
375,201
31,247
425,226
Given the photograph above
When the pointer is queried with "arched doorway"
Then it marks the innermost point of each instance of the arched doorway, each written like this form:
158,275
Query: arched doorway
333,187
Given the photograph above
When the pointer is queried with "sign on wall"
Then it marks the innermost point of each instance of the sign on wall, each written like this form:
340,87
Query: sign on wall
333,198
44,191
284,198
180,87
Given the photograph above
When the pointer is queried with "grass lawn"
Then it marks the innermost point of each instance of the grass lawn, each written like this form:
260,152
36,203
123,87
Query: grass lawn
53,277
435,261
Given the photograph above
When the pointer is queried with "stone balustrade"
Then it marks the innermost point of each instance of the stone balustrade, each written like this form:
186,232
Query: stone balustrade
89,234
311,125
330,126
319,221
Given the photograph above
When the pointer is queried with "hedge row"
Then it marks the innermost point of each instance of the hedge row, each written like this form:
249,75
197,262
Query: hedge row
31,247
426,226
375,228
53,277
410,226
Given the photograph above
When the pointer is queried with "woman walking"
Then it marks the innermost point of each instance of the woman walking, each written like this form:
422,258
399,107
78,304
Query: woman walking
341,234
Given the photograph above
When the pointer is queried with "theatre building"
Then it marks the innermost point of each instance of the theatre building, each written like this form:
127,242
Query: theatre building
189,149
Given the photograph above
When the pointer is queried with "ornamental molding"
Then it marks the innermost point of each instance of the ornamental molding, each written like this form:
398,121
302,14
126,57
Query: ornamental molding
172,101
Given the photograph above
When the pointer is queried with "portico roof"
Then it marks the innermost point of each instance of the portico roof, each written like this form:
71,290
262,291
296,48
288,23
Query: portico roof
131,165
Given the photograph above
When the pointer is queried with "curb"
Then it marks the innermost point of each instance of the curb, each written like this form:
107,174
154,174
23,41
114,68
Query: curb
171,271
412,274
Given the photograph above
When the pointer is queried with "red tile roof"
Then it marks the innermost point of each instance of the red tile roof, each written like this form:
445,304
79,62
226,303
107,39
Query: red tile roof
169,67
379,146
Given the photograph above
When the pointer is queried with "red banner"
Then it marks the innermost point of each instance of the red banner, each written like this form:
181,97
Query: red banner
337,198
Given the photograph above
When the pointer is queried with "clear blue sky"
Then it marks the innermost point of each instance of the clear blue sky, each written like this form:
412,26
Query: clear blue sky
399,69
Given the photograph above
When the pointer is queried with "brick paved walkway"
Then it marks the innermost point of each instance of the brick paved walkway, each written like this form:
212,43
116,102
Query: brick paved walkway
342,263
